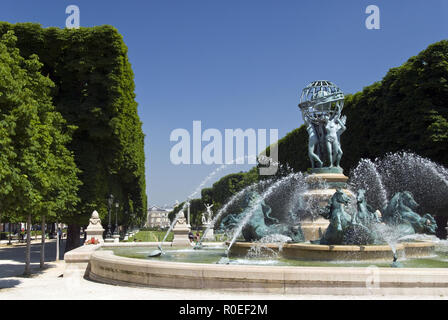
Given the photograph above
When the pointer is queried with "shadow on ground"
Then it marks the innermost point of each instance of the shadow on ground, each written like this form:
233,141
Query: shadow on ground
8,283
17,253
16,270
17,273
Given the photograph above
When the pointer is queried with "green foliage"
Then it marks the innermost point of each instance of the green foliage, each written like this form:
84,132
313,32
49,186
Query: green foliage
94,91
293,151
405,111
217,195
38,175
227,186
151,236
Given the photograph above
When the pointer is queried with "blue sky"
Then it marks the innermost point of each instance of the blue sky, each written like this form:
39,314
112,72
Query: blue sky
241,63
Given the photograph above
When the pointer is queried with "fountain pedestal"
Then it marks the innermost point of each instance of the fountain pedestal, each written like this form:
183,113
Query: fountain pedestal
316,252
322,186
210,233
181,230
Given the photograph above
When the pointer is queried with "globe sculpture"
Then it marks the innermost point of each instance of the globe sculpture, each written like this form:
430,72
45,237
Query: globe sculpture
321,104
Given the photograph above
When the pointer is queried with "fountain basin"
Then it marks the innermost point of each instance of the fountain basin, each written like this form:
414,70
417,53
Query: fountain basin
106,267
304,251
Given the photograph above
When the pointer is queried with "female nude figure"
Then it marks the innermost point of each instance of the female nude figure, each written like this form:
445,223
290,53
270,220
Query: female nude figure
312,143
333,130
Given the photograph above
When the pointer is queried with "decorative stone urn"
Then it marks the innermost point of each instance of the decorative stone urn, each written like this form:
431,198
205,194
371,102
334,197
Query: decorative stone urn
181,230
95,229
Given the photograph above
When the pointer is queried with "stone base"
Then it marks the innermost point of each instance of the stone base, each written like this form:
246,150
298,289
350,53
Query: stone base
105,267
109,240
116,238
315,252
334,180
314,230
210,233
181,236
326,170
97,234
77,261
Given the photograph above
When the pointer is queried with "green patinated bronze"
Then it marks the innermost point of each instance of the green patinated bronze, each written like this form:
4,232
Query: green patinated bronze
261,224
400,213
363,227
321,104
340,220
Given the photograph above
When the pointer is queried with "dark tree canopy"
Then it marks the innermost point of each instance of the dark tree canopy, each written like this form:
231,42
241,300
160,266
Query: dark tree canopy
94,92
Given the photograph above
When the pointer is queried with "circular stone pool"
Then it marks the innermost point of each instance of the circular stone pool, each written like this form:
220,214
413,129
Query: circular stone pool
186,268
421,255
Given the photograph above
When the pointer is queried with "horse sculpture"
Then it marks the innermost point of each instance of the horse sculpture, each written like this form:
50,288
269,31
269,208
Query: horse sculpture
365,215
362,230
340,220
400,212
261,223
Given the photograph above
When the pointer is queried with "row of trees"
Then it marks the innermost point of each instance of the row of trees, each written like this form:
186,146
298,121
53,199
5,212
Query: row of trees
407,110
70,132
217,195
38,174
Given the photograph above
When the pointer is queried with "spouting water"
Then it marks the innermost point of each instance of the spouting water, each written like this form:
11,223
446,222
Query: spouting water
259,249
425,179
249,214
390,234
366,176
174,222
231,201
199,188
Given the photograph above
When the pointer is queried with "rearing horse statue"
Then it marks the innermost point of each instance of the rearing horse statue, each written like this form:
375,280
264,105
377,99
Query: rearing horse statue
400,212
339,219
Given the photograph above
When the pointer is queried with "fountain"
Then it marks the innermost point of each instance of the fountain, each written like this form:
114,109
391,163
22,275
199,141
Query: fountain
294,234
347,225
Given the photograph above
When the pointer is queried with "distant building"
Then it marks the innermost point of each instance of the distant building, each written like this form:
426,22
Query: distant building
157,218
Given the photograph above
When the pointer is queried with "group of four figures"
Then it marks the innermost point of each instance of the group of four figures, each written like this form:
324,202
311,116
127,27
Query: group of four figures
325,133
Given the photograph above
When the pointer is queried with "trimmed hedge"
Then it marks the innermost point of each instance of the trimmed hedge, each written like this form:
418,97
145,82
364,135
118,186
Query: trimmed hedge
94,91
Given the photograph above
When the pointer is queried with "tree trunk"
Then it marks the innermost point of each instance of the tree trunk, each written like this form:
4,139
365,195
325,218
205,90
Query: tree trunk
57,243
52,230
42,245
28,247
73,237
441,231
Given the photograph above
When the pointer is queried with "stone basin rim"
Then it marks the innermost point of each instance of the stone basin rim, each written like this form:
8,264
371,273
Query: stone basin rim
108,255
106,267
348,248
